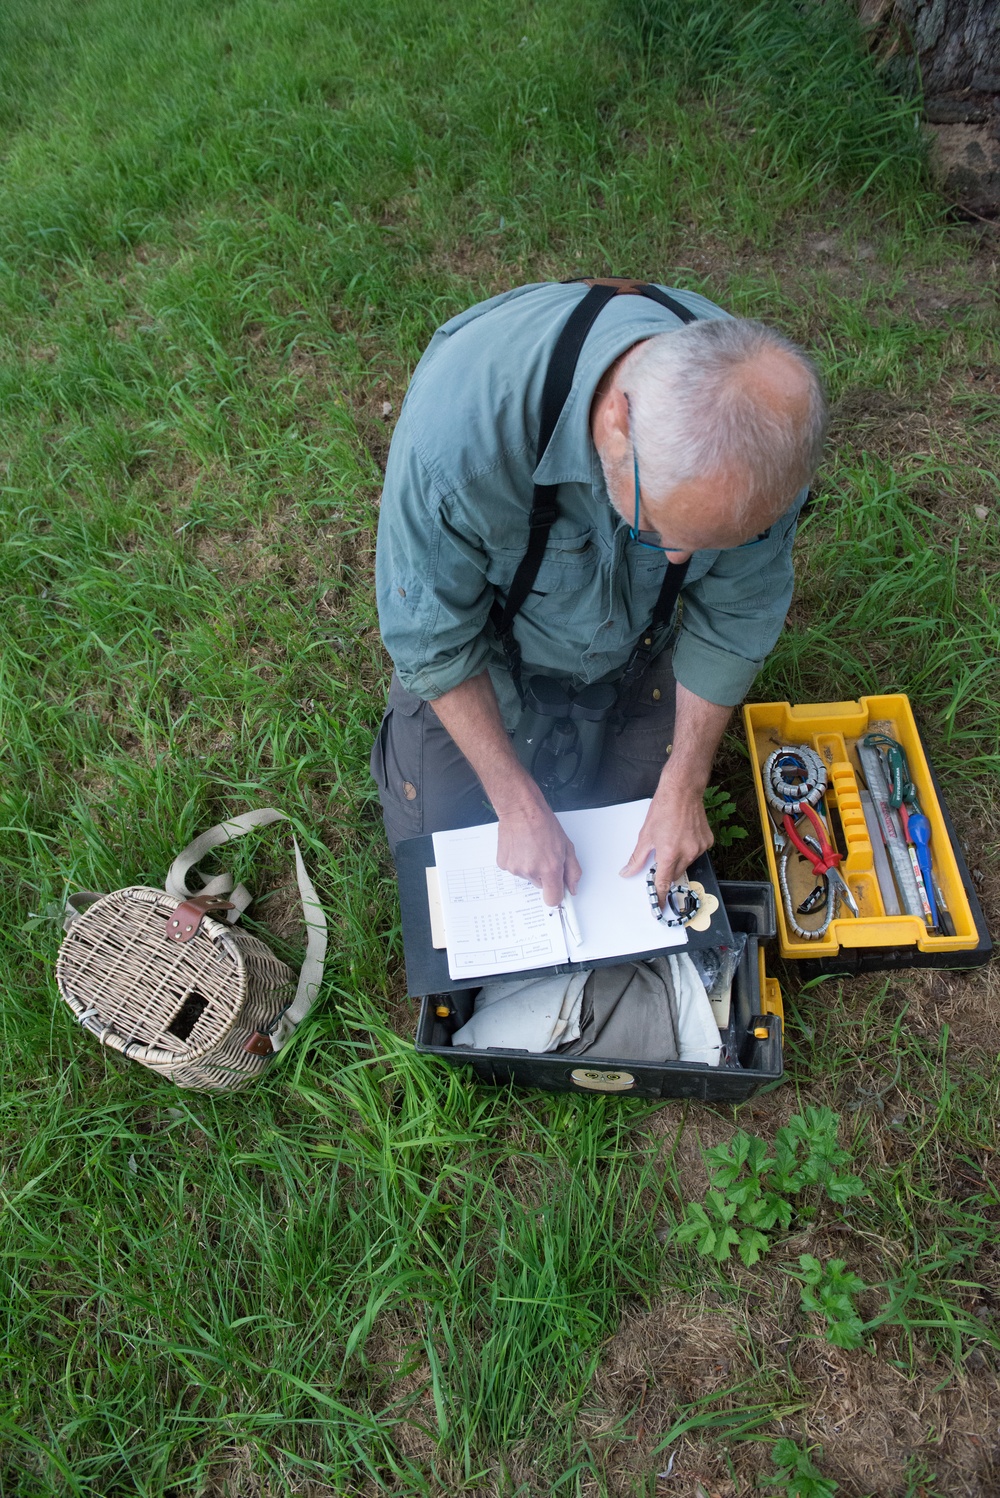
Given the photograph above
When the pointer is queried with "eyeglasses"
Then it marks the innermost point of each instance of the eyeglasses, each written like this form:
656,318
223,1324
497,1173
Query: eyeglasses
652,538
645,538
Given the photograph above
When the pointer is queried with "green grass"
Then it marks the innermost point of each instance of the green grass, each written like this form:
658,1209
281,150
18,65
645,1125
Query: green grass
226,232
799,79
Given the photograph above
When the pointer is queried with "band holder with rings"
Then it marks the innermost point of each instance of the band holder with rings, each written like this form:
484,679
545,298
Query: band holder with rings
795,782
688,903
681,901
794,778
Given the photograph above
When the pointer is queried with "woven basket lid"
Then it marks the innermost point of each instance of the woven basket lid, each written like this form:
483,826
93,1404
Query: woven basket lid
156,999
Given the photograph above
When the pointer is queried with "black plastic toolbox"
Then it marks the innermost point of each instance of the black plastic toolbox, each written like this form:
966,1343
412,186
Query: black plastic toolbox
756,1004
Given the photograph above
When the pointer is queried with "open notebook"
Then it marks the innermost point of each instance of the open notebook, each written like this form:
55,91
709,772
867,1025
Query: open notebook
495,923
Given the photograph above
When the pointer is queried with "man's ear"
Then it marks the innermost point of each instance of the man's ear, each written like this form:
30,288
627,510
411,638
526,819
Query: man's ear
613,435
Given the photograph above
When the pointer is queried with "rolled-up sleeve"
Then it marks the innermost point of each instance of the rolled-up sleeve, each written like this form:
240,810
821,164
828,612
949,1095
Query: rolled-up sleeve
433,594
733,615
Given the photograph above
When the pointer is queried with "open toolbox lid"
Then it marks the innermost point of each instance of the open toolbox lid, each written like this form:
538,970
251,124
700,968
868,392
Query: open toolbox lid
427,966
875,939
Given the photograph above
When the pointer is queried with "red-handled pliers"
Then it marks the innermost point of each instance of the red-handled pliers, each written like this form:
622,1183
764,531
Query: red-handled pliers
825,859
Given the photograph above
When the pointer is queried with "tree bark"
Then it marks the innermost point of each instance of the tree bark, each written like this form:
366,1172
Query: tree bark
955,44
953,48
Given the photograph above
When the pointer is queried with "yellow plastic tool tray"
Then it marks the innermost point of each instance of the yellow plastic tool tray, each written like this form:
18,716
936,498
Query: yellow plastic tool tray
833,729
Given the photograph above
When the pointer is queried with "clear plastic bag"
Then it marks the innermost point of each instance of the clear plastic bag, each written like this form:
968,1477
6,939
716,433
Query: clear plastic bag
716,968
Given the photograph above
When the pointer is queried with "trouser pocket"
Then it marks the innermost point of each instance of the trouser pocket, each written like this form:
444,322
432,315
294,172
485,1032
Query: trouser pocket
425,783
395,763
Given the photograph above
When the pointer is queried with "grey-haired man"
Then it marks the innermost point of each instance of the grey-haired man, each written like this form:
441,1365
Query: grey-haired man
679,441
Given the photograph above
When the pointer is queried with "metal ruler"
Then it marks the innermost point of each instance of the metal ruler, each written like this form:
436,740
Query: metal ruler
883,873
891,829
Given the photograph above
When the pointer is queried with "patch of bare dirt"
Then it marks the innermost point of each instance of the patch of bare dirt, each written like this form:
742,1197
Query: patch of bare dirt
237,1474
871,1418
483,261
968,1003
677,1353
263,551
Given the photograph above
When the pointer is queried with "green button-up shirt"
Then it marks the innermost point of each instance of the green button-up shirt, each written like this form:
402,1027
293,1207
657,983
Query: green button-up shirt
454,519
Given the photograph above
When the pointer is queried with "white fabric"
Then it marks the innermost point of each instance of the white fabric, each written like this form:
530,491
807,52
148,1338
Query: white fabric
540,1014
526,1014
697,1032
311,972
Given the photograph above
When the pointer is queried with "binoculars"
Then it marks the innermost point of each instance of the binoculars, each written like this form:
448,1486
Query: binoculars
560,735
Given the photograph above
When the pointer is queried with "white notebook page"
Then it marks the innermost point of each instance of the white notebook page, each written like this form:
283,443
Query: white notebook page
495,923
615,915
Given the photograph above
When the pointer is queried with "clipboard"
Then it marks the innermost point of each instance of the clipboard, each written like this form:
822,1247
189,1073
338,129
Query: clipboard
427,966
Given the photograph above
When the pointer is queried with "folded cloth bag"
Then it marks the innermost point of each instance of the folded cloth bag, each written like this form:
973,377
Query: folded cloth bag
697,1028
525,1014
635,1011
629,1012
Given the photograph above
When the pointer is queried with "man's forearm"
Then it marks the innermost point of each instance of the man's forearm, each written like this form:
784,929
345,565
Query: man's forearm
530,842
676,828
698,730
471,714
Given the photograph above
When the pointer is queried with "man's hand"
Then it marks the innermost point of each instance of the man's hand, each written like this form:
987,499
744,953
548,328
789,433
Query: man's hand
530,842
676,828
532,845
674,833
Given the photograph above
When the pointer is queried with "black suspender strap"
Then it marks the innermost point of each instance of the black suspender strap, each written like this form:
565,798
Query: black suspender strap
656,295
558,383
642,651
544,508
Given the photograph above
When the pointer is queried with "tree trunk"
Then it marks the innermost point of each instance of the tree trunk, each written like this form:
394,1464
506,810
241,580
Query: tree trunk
956,43
953,48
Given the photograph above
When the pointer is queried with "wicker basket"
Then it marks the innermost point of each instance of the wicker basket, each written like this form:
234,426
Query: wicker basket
174,987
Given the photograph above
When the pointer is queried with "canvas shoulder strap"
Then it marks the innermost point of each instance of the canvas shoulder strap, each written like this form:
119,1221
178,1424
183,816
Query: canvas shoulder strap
311,972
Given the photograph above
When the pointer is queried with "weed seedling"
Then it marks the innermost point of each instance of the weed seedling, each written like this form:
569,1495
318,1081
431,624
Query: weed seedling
752,1193
720,808
797,1475
829,1290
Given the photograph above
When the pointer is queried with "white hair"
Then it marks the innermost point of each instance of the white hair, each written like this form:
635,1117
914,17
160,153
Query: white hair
694,413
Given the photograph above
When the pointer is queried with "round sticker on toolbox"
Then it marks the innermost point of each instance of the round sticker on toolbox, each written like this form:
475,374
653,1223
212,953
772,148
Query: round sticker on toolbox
602,1081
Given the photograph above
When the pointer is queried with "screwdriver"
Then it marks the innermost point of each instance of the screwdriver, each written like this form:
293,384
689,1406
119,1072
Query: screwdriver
920,832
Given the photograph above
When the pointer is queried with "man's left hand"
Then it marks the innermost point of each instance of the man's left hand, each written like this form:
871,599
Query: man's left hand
674,833
676,828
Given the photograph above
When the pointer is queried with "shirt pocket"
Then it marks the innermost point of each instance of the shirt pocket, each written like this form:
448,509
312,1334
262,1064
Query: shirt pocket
569,565
645,571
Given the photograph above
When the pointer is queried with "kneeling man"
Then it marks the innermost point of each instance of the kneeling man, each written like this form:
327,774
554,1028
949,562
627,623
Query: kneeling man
660,469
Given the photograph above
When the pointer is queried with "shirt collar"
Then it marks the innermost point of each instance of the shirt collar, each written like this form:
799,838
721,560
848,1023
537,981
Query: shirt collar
626,320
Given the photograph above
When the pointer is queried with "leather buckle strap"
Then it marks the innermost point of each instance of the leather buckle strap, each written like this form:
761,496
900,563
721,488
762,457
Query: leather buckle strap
259,1044
623,285
184,924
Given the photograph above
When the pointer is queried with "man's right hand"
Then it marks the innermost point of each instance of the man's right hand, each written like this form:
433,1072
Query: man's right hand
530,842
532,845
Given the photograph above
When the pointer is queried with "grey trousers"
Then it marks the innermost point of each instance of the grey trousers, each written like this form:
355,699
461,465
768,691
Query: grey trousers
426,784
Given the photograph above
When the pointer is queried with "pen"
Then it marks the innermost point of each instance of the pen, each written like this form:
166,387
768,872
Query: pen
570,918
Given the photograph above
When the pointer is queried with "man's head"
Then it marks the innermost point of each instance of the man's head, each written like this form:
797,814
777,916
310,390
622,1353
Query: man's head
725,421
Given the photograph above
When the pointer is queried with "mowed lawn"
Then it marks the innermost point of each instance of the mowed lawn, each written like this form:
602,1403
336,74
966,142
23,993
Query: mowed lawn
227,229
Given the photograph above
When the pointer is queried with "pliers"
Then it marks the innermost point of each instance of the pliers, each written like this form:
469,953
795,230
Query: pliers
841,888
824,858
